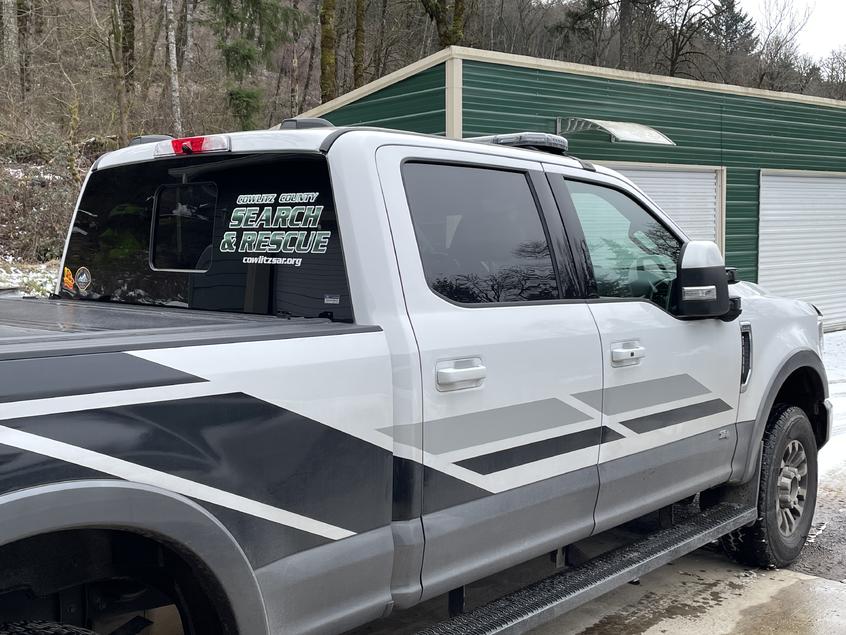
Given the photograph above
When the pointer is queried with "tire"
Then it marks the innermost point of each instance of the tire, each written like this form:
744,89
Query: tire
787,494
42,628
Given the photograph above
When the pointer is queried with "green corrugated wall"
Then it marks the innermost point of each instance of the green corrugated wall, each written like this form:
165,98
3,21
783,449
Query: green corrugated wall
743,133
416,103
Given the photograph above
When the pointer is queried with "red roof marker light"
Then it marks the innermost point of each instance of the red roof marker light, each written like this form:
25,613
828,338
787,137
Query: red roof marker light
191,145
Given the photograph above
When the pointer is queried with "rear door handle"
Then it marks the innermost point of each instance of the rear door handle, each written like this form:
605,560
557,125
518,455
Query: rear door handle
458,374
625,353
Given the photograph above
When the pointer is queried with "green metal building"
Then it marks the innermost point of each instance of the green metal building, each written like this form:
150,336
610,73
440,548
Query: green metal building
762,173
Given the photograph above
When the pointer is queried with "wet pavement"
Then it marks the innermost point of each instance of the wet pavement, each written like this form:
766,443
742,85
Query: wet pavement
704,593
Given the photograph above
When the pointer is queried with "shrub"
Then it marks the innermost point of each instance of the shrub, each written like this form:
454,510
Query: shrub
36,204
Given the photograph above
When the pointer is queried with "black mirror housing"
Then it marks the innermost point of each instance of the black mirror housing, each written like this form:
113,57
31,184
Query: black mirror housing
700,289
735,309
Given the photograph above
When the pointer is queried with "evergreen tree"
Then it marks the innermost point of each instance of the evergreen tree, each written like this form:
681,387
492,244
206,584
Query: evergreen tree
733,35
249,31
731,29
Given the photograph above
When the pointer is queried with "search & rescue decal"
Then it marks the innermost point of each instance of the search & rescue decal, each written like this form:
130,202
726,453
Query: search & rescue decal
257,227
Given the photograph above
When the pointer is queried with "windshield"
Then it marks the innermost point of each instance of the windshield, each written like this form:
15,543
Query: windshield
243,233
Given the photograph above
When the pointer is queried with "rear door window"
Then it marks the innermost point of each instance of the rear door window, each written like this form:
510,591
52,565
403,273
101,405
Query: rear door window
242,233
480,234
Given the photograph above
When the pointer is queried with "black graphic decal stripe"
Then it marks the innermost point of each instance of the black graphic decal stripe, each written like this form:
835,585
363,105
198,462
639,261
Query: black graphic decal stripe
420,489
667,418
20,469
441,491
609,434
263,541
520,455
241,445
26,379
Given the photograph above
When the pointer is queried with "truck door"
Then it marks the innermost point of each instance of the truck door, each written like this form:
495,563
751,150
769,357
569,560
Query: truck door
671,386
509,454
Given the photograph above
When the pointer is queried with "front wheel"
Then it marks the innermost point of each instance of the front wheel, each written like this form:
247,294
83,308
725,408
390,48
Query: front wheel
787,494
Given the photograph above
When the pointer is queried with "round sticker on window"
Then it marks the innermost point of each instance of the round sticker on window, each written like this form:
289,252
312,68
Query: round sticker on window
82,278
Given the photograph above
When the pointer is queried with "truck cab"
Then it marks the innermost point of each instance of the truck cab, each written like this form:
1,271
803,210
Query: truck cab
331,373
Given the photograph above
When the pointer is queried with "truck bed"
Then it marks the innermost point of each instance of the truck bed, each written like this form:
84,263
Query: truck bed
51,327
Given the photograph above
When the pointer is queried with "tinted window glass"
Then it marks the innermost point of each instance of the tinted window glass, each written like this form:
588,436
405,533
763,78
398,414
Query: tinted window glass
633,255
184,225
268,242
479,234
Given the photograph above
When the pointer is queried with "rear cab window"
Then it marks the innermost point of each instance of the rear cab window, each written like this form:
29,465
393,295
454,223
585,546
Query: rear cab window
239,233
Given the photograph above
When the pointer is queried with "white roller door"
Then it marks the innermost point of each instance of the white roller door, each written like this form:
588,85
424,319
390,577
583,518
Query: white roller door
691,195
802,239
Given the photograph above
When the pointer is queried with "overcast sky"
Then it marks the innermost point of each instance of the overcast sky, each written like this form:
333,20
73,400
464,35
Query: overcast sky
826,29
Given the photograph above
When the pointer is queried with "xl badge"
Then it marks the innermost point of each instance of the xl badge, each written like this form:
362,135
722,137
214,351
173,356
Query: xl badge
82,278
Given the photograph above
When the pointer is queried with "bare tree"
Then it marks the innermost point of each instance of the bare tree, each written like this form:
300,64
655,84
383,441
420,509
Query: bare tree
834,74
185,34
358,49
126,16
781,24
626,24
684,20
382,47
448,18
173,68
328,66
10,33
312,49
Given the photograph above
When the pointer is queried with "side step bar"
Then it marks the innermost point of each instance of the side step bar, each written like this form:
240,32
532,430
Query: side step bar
547,599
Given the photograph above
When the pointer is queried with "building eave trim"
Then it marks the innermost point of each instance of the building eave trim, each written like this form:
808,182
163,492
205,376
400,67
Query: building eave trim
383,82
524,61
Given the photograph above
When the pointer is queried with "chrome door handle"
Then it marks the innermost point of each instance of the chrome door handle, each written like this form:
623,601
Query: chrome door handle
452,376
623,354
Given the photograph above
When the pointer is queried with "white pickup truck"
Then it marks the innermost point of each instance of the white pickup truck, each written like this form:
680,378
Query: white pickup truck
292,380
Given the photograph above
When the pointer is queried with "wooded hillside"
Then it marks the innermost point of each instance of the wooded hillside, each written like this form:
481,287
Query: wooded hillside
82,76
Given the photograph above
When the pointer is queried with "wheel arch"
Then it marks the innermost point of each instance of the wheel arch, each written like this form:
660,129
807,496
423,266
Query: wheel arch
801,381
173,521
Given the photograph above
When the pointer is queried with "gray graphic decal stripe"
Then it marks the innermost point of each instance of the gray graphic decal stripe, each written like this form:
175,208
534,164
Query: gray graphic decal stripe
667,418
642,394
486,426
520,455
27,379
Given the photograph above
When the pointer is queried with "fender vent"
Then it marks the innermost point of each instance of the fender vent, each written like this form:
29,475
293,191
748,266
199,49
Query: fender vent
745,354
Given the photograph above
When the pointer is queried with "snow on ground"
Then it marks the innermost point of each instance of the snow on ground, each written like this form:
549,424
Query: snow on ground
833,456
17,278
38,171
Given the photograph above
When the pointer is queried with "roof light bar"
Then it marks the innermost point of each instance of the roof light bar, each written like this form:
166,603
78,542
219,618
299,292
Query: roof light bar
538,140
191,145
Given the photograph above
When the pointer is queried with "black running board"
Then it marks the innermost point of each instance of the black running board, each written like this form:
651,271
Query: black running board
547,599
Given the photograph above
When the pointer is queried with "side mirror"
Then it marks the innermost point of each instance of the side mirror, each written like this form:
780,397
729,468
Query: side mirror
700,289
